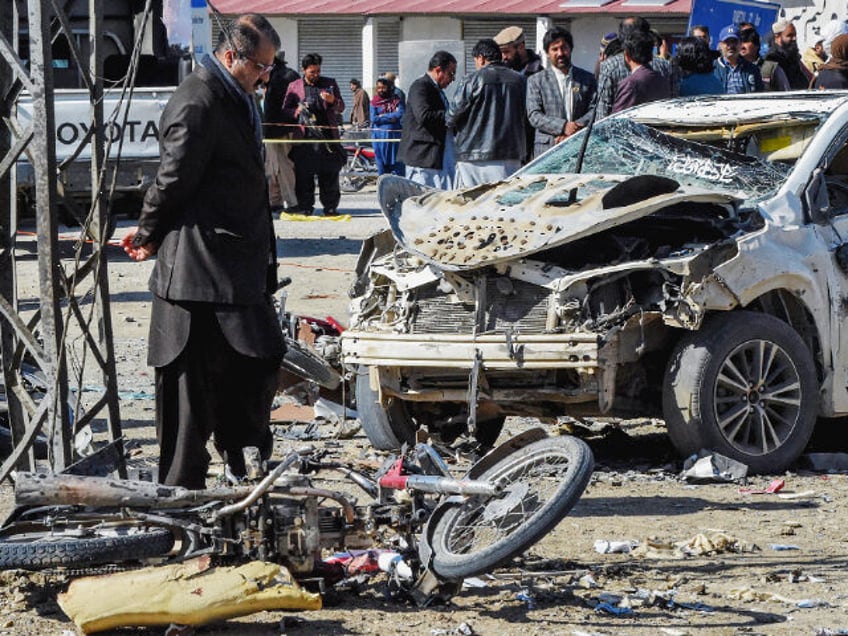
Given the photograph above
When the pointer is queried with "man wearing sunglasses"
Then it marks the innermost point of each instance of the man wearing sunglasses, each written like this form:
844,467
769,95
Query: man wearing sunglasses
214,340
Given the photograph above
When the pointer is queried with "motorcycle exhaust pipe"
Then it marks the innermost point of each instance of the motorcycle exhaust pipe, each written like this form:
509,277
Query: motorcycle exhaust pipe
440,485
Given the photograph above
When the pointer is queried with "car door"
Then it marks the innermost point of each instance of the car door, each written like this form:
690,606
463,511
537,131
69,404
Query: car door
827,207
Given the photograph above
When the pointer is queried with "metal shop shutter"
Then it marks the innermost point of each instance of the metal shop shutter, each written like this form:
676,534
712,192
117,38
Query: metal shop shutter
216,27
388,36
339,42
474,30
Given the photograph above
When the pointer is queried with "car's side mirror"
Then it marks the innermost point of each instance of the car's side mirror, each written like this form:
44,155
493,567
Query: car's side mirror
816,199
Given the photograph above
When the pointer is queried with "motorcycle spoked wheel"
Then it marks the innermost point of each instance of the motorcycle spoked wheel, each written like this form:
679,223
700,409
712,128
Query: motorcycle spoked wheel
310,366
35,547
541,483
351,182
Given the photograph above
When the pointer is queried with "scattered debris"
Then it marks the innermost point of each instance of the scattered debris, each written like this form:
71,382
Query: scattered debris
716,543
797,495
707,467
774,487
332,411
699,545
463,629
602,546
189,593
607,608
527,597
587,581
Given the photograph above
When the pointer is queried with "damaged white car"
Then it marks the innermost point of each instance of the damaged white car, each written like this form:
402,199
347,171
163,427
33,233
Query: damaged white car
693,268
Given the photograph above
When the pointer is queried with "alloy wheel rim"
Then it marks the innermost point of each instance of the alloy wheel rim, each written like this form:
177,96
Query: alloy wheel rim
757,397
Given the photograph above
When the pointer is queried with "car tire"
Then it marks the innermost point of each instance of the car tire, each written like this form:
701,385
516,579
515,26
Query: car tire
721,391
387,427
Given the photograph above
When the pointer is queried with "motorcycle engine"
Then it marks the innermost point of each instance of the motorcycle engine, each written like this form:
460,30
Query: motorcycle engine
297,535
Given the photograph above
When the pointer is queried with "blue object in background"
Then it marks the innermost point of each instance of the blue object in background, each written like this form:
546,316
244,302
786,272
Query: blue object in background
717,14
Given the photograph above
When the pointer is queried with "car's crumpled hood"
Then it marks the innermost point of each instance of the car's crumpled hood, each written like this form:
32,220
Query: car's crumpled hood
492,223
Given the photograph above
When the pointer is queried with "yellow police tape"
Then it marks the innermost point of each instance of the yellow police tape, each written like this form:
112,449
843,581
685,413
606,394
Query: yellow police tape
287,216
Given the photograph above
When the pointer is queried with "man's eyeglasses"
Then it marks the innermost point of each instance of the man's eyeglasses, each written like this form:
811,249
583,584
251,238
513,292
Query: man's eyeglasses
263,68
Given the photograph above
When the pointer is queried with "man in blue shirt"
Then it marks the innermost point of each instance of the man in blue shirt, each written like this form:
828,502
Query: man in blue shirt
736,74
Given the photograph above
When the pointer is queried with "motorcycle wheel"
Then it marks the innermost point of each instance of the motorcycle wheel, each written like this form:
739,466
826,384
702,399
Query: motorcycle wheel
309,366
34,547
541,483
351,182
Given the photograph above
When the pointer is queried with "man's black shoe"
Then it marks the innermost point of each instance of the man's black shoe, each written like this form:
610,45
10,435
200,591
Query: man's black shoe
299,210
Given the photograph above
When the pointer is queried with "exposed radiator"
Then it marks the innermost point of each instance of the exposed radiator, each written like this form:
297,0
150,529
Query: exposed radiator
524,307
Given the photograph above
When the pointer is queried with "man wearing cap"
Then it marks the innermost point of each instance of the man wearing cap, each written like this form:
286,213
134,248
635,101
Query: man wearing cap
559,97
784,51
736,74
514,51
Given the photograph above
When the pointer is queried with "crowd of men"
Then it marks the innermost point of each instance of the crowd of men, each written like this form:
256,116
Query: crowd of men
476,137
512,107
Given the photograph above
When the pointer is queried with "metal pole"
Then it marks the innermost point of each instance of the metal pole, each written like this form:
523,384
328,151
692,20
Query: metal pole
100,224
43,155
8,229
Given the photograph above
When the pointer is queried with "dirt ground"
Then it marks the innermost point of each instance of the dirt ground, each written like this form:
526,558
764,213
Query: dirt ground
737,581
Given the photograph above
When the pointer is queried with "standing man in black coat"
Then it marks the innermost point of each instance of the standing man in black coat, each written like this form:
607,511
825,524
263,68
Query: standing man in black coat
426,145
214,340
487,114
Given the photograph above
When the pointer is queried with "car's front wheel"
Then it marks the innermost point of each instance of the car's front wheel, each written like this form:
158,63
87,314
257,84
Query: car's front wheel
744,386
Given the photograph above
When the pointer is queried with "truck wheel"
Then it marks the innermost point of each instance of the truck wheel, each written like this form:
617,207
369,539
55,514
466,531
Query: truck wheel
745,386
387,427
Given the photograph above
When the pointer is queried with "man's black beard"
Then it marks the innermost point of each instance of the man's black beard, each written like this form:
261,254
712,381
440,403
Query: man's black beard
515,63
790,50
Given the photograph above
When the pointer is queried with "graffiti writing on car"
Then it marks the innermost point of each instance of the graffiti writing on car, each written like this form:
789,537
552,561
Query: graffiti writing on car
702,168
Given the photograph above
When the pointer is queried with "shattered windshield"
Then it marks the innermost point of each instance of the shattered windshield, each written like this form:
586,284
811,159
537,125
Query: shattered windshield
623,146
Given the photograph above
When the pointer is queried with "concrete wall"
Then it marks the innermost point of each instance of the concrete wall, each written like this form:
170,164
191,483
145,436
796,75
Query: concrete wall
287,30
811,16
587,32
431,28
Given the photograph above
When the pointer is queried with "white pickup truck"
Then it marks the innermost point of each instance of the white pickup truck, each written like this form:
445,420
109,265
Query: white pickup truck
132,145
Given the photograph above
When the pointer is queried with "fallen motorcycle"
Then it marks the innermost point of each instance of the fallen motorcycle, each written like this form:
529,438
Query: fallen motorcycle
448,527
